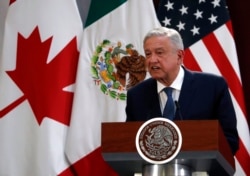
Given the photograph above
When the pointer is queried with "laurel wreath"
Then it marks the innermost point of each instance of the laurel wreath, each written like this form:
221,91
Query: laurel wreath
103,71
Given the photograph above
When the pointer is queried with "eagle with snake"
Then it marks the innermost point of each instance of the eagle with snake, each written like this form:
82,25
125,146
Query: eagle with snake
133,65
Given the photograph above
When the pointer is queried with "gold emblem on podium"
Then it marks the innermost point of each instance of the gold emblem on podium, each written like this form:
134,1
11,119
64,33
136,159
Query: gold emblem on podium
158,140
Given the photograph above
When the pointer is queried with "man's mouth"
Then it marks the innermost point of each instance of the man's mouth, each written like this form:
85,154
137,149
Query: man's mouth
155,68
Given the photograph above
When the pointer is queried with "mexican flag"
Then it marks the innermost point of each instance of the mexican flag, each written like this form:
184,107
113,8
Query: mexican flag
111,61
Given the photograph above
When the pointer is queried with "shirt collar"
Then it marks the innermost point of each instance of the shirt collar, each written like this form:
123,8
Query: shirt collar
177,83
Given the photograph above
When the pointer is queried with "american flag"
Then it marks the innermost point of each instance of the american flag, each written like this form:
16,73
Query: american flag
207,33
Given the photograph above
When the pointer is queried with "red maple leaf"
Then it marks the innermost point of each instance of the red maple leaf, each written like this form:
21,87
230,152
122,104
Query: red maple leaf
42,83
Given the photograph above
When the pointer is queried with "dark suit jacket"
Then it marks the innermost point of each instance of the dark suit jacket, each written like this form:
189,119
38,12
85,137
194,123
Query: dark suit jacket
202,96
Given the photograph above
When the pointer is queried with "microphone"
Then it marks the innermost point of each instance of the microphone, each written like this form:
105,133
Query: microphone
178,109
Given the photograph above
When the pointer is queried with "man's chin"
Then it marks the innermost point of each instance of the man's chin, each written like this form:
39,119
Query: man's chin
157,77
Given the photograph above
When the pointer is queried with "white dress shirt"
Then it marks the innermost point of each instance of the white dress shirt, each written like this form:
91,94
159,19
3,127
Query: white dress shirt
176,85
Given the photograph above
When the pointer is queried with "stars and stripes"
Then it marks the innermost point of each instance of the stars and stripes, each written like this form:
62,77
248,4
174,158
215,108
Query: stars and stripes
209,46
193,19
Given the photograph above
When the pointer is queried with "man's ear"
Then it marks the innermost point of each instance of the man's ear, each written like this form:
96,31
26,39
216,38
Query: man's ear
180,54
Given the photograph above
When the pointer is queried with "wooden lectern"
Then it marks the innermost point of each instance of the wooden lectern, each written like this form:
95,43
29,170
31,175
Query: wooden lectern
204,147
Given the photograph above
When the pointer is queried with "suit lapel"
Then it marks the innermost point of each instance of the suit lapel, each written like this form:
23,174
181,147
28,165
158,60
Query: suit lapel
154,109
187,92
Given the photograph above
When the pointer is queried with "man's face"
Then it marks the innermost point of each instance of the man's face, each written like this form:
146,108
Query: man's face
163,60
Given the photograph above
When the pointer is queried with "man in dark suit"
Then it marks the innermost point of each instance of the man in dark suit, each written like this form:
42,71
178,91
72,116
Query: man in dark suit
197,95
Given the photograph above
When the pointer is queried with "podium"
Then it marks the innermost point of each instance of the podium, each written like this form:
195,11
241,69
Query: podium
204,147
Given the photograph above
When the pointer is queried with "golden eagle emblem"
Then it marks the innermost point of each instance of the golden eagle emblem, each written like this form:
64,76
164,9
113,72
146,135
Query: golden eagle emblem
116,68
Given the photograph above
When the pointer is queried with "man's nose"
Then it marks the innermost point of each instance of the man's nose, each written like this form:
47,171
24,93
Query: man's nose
153,58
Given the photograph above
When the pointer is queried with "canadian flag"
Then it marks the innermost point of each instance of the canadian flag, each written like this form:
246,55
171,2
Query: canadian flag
38,59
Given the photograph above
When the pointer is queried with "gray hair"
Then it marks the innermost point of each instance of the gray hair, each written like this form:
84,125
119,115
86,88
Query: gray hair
172,34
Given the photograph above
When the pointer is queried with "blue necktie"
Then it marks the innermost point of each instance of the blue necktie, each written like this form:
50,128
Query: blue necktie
169,108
